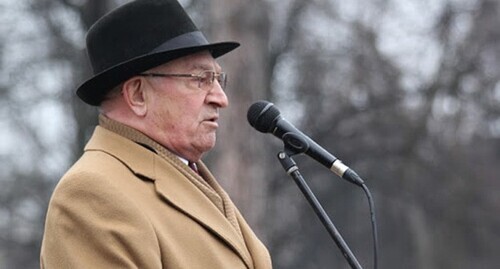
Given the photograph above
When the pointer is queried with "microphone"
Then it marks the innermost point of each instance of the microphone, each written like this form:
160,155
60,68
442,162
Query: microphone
266,118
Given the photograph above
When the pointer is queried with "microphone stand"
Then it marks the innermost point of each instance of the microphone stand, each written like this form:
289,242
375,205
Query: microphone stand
291,169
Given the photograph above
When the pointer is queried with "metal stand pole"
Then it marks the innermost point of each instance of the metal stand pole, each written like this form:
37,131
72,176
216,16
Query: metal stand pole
291,168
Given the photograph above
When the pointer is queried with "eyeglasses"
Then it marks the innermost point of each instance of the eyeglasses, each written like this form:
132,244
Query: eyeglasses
205,79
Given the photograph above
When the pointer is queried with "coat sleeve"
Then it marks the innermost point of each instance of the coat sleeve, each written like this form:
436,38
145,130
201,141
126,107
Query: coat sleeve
91,224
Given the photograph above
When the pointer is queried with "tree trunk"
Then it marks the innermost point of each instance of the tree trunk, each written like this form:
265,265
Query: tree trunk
235,160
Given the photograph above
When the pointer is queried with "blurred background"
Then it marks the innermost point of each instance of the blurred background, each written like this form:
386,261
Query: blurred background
406,92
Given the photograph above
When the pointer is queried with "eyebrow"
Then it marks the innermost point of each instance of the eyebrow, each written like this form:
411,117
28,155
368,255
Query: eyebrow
203,66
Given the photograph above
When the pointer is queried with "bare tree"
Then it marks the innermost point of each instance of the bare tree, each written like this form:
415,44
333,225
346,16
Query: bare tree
410,141
39,156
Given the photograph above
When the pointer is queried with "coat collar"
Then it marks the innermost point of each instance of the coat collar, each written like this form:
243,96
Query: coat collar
170,177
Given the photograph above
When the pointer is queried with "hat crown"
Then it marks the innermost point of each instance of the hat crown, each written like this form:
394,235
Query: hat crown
135,29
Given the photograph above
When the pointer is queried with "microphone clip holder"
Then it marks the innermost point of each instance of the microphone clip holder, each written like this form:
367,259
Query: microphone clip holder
291,168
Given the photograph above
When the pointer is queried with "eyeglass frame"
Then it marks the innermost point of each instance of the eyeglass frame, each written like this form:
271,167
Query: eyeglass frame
220,76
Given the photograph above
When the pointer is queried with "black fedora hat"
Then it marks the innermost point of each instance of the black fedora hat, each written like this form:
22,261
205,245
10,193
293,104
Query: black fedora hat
136,37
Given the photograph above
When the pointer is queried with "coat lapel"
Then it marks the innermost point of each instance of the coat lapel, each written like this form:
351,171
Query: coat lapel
191,201
173,185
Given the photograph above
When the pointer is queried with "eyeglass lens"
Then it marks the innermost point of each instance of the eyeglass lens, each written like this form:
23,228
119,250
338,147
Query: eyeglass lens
207,79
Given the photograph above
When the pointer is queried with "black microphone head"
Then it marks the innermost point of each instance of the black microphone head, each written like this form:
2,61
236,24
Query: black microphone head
261,115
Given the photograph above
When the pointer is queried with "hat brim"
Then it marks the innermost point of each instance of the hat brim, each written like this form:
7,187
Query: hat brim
93,90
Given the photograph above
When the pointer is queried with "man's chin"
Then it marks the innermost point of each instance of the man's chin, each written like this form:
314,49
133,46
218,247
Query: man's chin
206,143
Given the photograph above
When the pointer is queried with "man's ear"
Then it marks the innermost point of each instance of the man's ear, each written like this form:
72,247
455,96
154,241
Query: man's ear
134,93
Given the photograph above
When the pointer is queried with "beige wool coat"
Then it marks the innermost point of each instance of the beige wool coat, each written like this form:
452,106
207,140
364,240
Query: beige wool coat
122,205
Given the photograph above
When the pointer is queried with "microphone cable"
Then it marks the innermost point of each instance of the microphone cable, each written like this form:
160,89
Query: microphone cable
373,224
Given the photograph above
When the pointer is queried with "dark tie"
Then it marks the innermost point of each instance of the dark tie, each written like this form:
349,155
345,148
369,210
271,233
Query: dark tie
193,166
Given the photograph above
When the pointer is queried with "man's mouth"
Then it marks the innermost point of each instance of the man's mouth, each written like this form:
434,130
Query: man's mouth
213,119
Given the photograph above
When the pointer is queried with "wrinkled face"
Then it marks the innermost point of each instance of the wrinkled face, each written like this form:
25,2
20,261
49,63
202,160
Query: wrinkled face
182,116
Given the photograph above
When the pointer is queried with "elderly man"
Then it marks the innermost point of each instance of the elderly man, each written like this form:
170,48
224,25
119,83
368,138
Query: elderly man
139,197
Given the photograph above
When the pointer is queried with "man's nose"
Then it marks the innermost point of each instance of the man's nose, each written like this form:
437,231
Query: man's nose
217,96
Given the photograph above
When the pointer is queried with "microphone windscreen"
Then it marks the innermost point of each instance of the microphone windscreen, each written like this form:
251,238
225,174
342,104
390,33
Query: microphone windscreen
261,115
